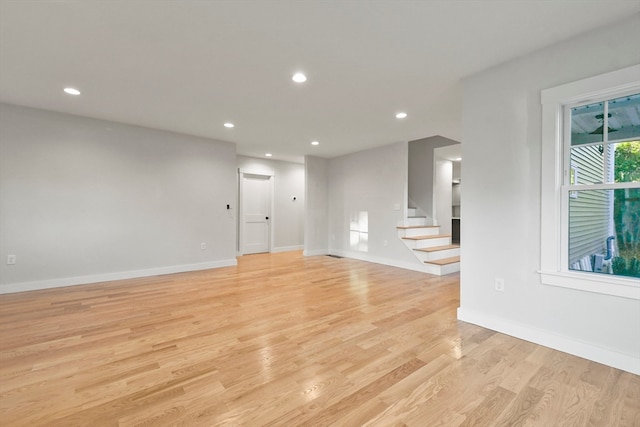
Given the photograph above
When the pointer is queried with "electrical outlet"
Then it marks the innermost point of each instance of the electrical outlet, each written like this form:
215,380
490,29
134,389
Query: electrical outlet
385,243
499,283
203,246
11,259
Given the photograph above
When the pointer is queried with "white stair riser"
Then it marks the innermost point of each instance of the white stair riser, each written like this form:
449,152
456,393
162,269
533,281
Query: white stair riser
411,212
413,232
433,269
416,221
427,243
449,268
439,270
430,256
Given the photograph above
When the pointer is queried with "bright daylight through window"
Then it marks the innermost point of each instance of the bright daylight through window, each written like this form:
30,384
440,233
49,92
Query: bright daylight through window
602,185
590,184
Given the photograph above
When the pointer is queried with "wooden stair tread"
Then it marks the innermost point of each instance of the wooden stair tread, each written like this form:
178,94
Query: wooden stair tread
437,248
437,236
444,261
408,227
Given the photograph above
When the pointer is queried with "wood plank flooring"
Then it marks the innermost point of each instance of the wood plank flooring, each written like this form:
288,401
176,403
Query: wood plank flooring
283,340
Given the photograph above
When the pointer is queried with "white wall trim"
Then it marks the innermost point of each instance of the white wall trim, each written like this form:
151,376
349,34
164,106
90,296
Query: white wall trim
608,357
253,172
378,260
315,252
96,278
287,248
586,281
554,245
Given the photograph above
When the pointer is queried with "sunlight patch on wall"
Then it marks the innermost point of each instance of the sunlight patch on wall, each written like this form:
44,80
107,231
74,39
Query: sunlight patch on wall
359,231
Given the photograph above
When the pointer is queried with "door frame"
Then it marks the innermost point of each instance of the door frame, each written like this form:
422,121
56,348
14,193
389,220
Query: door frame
271,179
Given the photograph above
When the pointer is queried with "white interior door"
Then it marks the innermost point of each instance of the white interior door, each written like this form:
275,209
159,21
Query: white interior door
256,213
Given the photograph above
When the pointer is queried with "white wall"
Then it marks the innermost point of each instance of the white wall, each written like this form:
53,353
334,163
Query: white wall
288,214
372,181
501,227
316,228
421,158
84,200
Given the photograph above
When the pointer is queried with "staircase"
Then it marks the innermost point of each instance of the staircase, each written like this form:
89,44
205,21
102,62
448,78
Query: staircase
434,250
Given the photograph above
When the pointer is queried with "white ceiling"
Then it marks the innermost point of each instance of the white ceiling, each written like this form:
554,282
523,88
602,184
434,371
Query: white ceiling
189,66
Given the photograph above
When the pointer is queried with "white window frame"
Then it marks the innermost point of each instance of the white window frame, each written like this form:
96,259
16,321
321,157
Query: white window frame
554,269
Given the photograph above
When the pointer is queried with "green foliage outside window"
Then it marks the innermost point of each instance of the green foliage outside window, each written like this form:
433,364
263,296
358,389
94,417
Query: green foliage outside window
627,160
627,210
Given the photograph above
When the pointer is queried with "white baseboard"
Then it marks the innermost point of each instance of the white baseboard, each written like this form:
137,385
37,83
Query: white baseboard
605,356
287,249
95,278
415,266
315,252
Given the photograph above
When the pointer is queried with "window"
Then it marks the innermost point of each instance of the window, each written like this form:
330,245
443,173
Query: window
602,146
590,230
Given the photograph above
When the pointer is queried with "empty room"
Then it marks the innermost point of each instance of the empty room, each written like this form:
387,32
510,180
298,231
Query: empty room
309,213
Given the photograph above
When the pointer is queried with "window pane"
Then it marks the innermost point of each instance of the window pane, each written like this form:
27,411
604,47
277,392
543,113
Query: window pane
604,231
626,156
587,165
624,118
587,124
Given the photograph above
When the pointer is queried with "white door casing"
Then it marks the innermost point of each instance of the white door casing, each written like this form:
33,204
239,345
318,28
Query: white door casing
255,213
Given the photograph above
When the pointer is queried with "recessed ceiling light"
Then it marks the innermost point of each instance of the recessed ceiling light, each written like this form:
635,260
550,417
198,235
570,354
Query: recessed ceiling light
71,91
299,78
229,125
268,154
315,143
401,115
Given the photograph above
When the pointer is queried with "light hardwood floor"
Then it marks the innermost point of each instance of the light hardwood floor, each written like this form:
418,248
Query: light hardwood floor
283,340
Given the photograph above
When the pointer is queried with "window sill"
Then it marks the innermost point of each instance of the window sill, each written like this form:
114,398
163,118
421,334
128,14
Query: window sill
592,282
